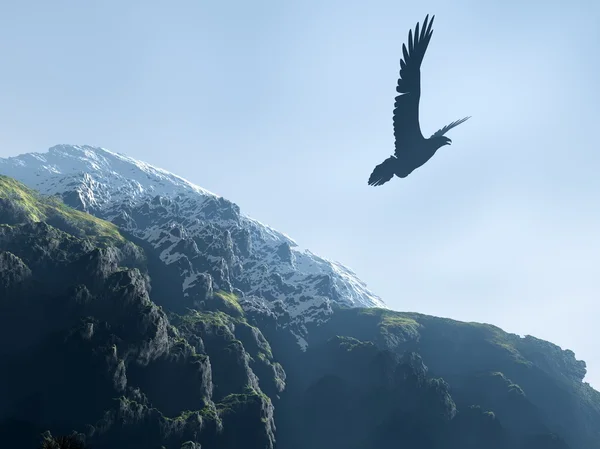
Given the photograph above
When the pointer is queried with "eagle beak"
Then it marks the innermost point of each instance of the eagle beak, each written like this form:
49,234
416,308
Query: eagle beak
449,142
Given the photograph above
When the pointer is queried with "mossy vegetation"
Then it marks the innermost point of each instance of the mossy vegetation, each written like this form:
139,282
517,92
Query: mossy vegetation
512,387
234,402
193,317
392,323
208,412
349,344
230,299
29,205
262,357
398,327
389,319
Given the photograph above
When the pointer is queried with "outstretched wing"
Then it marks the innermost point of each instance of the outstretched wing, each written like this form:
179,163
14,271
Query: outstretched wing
406,107
445,129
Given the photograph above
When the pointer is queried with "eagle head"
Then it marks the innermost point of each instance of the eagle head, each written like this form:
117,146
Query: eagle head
439,141
445,140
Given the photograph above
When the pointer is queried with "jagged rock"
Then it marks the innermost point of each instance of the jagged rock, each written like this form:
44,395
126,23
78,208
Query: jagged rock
13,273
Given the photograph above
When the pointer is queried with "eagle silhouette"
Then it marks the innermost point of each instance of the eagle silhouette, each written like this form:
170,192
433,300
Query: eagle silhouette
412,149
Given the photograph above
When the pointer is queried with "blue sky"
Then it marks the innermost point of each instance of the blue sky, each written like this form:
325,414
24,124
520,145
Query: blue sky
285,108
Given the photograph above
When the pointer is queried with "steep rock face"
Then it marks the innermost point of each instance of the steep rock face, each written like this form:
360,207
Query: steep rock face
195,232
13,274
87,349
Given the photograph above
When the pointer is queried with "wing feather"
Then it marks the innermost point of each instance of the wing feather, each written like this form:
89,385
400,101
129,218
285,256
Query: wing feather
407,130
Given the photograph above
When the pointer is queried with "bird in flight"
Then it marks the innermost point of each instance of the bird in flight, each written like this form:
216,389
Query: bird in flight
412,149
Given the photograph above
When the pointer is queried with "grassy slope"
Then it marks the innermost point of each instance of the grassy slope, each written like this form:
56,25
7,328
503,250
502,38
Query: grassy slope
36,208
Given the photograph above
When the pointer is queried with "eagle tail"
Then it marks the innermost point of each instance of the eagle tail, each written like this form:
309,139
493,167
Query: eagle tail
383,172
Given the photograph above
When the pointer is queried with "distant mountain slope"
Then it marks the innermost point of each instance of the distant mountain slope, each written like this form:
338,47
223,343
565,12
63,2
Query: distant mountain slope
93,340
196,231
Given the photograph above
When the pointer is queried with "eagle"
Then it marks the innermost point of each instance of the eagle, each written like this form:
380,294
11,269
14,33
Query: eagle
411,149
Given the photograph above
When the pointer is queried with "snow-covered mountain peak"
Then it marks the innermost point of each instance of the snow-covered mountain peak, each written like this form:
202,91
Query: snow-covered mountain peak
200,233
127,176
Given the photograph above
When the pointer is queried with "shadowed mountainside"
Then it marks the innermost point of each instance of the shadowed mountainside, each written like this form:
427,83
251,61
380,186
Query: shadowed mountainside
96,342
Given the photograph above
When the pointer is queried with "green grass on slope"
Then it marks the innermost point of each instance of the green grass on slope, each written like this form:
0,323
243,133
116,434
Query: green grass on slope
231,299
390,319
390,322
35,207
415,323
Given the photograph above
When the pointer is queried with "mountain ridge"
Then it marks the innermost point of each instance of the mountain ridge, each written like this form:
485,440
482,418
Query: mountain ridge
196,230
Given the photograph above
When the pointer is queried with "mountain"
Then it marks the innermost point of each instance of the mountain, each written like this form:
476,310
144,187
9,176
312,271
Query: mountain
181,323
196,233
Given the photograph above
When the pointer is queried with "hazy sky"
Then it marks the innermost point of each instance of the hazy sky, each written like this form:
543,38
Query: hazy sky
285,107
